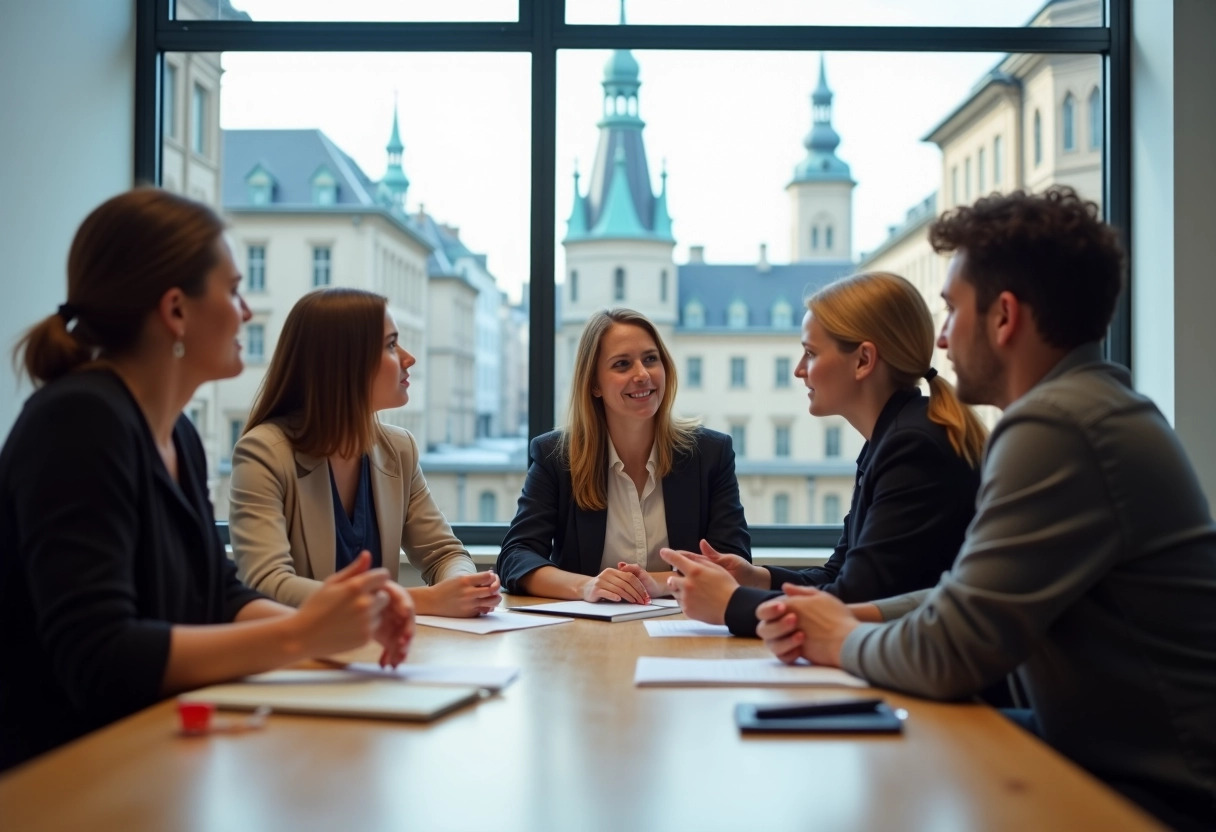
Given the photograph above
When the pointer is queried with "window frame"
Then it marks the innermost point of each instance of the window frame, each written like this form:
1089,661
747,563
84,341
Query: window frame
540,30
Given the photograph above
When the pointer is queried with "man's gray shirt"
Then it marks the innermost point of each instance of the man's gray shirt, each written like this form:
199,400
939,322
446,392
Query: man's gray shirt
1090,567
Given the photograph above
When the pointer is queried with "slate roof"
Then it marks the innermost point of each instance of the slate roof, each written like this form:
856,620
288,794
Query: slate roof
716,286
292,157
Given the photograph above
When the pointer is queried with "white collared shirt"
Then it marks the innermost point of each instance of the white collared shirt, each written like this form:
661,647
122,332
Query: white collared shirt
637,526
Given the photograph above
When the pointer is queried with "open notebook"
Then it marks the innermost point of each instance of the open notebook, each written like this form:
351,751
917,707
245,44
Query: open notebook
370,698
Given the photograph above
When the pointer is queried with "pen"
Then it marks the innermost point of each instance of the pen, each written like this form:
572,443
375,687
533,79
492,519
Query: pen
848,706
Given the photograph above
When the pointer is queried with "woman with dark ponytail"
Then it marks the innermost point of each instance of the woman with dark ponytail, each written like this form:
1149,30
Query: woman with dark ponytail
114,587
867,344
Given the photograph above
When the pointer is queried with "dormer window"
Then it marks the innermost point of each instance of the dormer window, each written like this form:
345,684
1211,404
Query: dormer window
783,314
259,185
694,314
324,187
736,315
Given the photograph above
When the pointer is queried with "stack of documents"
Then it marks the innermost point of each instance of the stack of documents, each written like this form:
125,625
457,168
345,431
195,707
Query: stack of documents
660,671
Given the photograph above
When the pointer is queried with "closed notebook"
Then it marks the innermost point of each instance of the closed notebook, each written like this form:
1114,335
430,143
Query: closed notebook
601,610
370,698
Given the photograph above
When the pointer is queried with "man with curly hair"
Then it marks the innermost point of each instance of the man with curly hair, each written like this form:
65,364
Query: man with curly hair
1090,566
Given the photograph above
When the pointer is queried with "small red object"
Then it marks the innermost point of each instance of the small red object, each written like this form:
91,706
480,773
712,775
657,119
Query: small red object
195,717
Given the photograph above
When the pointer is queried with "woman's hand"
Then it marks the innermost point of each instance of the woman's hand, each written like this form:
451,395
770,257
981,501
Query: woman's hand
345,612
805,623
650,583
616,585
744,573
464,596
396,629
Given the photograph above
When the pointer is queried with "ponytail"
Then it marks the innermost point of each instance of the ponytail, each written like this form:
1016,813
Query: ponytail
49,350
965,431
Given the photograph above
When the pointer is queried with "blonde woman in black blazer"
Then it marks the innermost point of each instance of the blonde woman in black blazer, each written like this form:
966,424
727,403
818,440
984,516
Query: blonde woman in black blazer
565,540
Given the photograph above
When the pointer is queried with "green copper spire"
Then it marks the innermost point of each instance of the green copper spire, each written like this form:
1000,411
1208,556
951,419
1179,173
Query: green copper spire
395,183
576,226
662,220
618,217
821,163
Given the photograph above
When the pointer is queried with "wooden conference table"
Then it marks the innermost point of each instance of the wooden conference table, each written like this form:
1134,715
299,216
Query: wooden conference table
570,745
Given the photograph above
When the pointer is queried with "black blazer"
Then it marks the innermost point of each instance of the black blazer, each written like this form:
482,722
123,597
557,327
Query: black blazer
912,501
700,496
100,553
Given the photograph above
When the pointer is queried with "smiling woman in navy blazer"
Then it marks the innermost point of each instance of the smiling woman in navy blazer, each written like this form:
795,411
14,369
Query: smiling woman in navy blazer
622,480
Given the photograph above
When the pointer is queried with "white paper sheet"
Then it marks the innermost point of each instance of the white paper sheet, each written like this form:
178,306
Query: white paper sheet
680,628
492,622
658,670
489,677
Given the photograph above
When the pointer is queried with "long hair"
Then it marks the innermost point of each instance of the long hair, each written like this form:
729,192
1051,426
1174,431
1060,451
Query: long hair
126,254
320,377
886,310
584,443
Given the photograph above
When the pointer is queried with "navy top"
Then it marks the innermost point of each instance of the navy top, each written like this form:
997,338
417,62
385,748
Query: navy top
101,553
912,501
359,531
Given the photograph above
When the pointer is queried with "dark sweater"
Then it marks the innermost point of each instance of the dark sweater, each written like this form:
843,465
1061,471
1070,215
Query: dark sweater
100,553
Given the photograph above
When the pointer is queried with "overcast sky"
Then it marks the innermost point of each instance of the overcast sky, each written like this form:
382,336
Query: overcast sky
729,125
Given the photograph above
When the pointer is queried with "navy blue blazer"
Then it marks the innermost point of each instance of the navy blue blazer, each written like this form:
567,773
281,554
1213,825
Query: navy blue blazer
700,496
912,502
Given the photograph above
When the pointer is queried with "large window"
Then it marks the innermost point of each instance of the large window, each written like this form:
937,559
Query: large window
499,145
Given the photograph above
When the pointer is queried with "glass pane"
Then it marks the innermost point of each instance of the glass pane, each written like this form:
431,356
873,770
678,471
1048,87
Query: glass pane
356,170
821,13
350,11
789,170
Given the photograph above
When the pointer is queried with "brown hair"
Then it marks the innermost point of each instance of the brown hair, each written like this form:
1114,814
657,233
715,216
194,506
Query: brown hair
320,377
126,254
888,311
584,443
1050,250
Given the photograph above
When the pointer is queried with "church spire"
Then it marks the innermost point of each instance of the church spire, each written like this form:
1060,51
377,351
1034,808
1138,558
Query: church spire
395,183
821,162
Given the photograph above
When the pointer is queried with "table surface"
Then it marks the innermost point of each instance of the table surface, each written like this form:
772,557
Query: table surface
571,744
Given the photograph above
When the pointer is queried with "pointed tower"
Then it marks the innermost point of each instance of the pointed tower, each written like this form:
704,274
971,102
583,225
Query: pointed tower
821,192
618,244
394,185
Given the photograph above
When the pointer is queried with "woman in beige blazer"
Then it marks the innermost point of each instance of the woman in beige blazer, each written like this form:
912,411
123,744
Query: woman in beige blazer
316,478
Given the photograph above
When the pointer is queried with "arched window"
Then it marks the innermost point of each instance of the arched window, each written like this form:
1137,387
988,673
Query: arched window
783,314
980,172
1068,119
1038,139
736,315
574,286
618,284
663,286
487,507
827,238
996,160
1095,120
814,238
694,314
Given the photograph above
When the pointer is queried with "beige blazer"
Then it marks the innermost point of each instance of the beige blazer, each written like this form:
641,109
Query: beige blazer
282,516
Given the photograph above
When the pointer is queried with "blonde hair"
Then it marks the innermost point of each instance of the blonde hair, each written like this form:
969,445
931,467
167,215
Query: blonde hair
888,311
584,445
320,377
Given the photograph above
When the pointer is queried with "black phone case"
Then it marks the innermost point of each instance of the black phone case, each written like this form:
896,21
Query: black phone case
881,721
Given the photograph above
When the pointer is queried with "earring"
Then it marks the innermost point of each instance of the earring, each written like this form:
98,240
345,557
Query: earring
179,349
